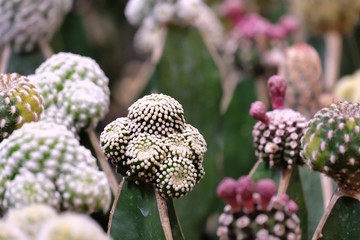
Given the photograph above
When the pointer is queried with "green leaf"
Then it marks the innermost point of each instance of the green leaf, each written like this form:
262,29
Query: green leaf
313,196
344,220
295,192
188,73
136,215
239,154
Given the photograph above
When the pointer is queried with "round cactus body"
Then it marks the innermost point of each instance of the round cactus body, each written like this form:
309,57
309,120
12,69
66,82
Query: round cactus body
303,73
277,134
153,144
20,102
27,22
331,144
51,150
11,232
254,211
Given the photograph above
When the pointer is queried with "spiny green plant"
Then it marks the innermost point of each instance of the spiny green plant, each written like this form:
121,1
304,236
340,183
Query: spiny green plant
20,102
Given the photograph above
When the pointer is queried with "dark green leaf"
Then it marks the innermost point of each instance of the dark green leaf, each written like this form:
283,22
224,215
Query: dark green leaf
344,220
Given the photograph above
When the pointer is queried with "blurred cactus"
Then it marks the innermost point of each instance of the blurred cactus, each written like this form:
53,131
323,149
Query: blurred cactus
347,88
254,211
53,153
277,134
302,70
321,16
41,222
155,145
25,24
20,102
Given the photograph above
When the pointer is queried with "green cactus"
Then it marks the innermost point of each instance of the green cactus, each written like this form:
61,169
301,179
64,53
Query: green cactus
20,102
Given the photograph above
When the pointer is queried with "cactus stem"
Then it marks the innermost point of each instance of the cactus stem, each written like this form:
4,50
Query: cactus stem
113,208
317,234
46,49
326,186
253,169
333,43
5,57
284,180
164,216
103,162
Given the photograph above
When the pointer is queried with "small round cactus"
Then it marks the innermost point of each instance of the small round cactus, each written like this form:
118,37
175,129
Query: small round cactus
28,22
254,211
330,144
277,134
20,102
153,144
71,226
52,151
76,88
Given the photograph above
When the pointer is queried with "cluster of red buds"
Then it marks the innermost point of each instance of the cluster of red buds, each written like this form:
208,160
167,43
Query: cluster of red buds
255,211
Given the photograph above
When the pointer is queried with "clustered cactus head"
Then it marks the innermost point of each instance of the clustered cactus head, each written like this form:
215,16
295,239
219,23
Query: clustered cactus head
20,102
75,89
26,23
302,71
41,222
154,144
321,15
43,162
277,134
331,144
254,211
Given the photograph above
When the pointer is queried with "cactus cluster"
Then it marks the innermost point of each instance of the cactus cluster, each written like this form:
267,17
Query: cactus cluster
75,90
302,71
277,134
153,15
322,15
43,162
254,211
41,222
154,144
330,144
20,102
25,23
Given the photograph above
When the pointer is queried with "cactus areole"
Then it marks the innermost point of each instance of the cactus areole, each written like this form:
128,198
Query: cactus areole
153,144
331,144
277,134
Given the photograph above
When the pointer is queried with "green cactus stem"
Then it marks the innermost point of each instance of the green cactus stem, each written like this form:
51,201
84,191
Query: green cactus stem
20,102
277,134
254,211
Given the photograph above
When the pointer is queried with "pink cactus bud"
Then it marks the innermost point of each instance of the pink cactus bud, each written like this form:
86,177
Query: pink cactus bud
276,31
233,9
258,111
292,206
226,191
245,188
277,89
284,198
290,23
266,188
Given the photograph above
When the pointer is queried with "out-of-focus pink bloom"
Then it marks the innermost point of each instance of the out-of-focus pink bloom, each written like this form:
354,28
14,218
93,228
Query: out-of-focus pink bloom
266,189
276,31
277,89
253,25
233,9
245,189
289,23
226,191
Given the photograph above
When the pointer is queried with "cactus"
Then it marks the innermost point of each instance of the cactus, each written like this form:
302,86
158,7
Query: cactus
26,23
302,71
254,211
52,153
20,102
277,134
346,88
